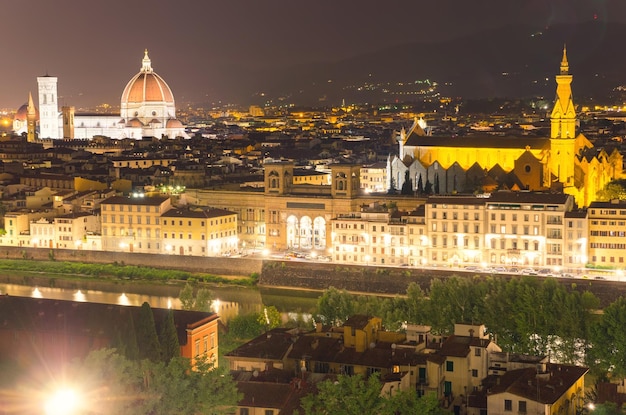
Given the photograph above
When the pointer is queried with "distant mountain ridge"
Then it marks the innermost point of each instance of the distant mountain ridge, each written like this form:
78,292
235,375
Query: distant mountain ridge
513,62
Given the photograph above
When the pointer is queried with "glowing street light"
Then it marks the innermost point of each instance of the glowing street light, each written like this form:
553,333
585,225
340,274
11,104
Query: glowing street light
63,402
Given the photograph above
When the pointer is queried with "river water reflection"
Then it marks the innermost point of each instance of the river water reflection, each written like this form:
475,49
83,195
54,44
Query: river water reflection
228,301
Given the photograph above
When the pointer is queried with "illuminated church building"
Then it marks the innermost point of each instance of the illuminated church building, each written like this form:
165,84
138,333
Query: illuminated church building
566,161
147,109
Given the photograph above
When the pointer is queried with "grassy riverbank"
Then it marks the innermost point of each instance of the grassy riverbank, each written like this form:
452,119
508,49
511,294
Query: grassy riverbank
118,272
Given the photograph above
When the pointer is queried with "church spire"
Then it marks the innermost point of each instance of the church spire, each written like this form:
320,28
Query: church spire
564,63
563,117
563,128
146,64
31,105
31,120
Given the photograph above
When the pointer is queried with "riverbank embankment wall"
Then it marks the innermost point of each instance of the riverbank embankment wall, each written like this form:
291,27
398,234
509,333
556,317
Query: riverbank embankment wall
209,265
392,281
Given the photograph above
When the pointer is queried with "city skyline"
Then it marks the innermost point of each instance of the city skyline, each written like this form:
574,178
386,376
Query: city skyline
201,48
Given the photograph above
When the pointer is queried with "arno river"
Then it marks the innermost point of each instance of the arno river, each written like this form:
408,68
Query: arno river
228,301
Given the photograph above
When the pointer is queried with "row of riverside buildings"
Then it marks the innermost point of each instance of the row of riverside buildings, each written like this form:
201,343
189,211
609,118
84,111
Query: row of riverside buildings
95,220
504,228
501,229
467,371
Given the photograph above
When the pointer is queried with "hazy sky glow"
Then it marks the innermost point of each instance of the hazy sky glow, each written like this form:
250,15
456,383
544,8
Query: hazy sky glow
94,47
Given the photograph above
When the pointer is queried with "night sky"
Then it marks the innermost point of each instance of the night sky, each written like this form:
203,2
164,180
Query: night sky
94,47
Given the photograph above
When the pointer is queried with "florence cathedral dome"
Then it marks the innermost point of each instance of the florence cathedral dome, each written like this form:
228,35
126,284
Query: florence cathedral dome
147,98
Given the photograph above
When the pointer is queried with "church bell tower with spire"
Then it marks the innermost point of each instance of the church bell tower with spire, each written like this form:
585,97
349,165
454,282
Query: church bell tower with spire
31,120
563,128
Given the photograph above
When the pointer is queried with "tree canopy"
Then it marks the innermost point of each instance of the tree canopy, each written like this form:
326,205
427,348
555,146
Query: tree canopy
334,307
113,384
616,189
199,300
525,315
355,395
269,317
608,337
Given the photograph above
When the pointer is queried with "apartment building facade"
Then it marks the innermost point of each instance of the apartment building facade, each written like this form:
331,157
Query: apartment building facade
607,233
205,232
133,224
505,229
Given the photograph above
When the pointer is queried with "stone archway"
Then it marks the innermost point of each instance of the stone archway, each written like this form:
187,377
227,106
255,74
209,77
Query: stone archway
293,231
319,233
306,232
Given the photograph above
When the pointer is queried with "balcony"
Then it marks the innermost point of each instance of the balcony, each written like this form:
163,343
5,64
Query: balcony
554,235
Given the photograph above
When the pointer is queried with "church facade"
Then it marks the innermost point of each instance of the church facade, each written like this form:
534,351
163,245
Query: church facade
564,162
147,109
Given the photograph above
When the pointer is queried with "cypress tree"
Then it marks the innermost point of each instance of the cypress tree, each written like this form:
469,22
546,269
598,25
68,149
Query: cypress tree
428,187
124,338
147,339
131,349
170,347
407,186
392,187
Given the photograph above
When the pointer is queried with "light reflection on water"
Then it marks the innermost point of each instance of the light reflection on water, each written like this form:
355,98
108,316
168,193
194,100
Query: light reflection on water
93,296
80,297
227,302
